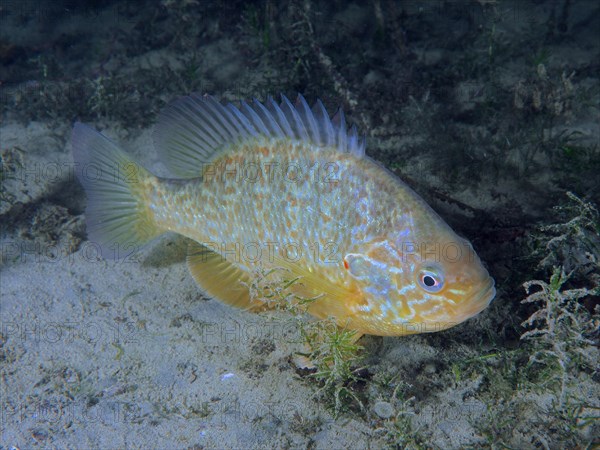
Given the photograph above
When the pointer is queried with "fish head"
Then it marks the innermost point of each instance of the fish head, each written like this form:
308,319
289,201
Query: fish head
450,282
419,286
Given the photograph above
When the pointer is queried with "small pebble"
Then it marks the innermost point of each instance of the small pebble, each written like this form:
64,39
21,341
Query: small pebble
383,409
429,369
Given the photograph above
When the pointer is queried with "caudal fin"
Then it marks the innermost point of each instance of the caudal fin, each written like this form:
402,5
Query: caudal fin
118,218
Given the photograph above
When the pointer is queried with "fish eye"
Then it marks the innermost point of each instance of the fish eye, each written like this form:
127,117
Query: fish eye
430,281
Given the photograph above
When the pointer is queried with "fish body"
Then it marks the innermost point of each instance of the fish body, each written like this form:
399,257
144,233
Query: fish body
281,186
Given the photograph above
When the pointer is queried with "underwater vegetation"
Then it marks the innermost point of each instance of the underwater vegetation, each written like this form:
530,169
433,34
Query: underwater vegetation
329,354
560,341
563,334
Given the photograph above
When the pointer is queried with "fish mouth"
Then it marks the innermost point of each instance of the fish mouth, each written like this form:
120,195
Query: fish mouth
480,300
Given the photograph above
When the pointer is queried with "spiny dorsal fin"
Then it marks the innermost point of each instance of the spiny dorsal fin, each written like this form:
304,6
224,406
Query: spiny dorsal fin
193,130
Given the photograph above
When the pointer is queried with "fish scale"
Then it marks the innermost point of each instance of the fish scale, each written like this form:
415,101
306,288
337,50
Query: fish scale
271,210
264,186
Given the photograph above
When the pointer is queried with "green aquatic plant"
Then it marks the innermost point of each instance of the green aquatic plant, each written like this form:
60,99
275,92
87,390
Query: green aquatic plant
330,351
273,288
541,57
260,23
563,332
500,369
575,416
545,382
335,354
396,413
189,76
496,424
573,243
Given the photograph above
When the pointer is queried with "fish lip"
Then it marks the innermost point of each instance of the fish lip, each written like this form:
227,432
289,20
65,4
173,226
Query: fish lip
489,293
481,300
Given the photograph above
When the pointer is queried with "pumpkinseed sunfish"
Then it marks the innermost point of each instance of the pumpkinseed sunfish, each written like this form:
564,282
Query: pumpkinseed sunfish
284,186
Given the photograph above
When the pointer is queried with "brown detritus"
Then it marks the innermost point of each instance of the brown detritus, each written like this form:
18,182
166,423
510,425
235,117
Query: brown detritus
547,93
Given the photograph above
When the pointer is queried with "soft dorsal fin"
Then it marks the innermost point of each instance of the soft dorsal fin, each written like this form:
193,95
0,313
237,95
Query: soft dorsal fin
194,129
